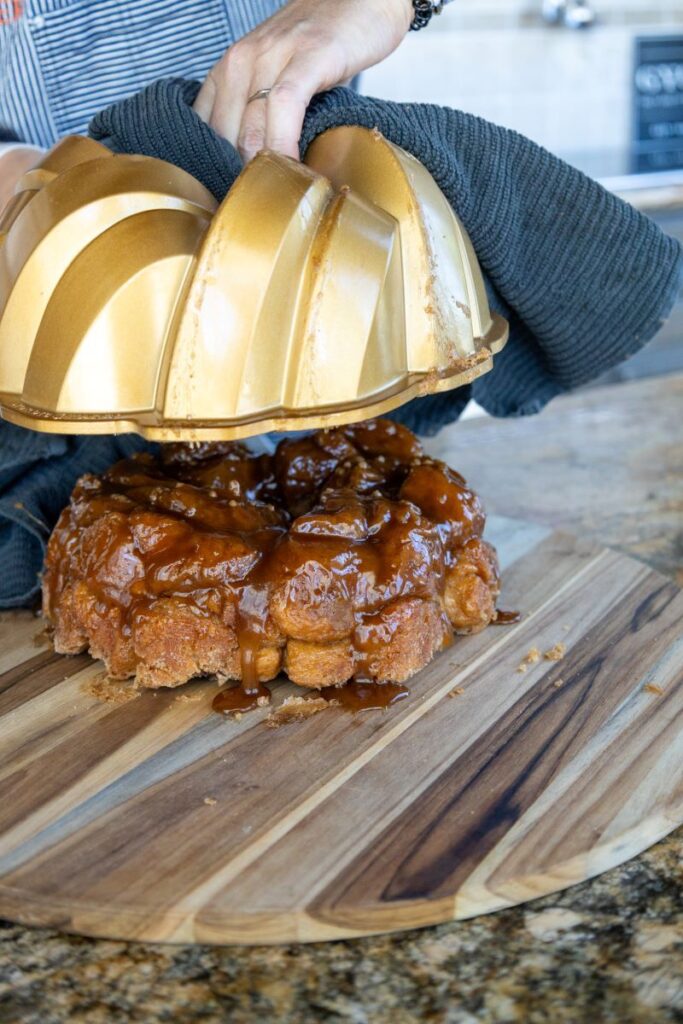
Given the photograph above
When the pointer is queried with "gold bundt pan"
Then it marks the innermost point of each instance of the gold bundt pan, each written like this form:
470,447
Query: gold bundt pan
314,295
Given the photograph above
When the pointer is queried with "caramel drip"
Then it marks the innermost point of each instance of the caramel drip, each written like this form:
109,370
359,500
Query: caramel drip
358,696
506,618
238,699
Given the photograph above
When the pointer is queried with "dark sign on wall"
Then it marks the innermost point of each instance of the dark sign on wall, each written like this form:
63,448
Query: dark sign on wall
658,95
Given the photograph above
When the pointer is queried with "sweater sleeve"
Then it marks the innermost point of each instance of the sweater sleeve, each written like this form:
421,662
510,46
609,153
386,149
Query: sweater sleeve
584,279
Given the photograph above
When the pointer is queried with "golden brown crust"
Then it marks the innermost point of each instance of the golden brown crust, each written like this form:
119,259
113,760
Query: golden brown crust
318,665
343,556
268,663
472,585
173,643
398,641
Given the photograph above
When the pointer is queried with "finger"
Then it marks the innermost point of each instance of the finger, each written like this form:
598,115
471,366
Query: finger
233,75
252,133
287,104
206,97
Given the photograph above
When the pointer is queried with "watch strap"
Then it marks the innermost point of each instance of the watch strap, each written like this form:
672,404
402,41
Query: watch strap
424,12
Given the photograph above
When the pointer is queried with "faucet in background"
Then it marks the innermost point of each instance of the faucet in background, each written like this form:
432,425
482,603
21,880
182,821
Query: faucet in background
570,13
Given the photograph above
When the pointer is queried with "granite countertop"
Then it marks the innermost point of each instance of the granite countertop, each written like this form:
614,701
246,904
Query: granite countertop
607,463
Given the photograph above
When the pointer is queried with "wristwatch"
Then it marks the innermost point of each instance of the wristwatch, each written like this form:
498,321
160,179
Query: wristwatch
424,12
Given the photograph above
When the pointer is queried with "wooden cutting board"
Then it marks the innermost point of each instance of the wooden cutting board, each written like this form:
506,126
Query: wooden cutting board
159,819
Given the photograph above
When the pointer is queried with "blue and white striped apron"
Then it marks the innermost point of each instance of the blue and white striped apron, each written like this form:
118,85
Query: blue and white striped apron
63,60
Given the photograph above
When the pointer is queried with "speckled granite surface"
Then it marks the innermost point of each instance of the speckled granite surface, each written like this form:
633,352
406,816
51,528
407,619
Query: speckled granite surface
610,950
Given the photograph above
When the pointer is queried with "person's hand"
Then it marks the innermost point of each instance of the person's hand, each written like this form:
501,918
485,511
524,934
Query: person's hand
306,47
13,164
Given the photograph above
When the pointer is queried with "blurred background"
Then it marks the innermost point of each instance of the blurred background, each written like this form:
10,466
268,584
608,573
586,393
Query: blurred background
599,82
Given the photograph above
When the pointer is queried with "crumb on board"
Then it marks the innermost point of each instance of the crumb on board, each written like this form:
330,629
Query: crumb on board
456,691
210,801
188,698
558,683
111,691
556,653
296,709
530,658
653,688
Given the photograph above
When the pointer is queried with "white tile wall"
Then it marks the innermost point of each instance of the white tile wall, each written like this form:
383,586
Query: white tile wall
510,13
568,90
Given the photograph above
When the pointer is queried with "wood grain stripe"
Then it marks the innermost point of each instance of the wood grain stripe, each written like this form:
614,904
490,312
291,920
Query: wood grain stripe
65,765
513,764
39,674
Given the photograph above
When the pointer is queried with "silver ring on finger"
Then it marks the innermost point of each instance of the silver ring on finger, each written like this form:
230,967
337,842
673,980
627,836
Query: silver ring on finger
260,94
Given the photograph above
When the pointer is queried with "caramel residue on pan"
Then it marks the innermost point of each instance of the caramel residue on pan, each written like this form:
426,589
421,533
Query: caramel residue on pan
111,691
296,709
556,653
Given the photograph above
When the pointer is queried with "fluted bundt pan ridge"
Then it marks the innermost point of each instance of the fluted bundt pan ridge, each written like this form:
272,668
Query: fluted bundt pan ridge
315,294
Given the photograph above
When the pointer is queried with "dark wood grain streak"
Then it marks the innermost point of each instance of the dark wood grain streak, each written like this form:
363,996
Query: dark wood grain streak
432,847
62,753
31,678
559,837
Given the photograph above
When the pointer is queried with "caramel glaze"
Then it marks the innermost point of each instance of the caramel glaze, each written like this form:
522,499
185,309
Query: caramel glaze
355,696
348,555
506,618
240,698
